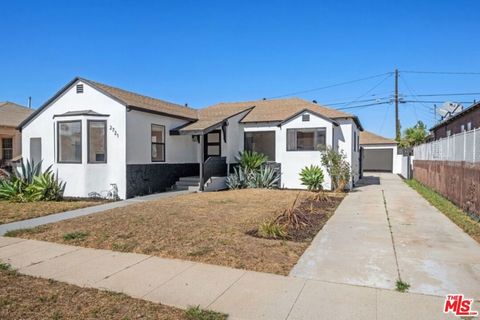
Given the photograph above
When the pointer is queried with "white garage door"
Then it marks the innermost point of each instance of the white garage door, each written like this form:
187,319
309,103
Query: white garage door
377,160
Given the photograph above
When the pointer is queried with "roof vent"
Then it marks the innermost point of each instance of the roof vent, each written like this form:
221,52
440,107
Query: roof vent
305,117
79,88
314,101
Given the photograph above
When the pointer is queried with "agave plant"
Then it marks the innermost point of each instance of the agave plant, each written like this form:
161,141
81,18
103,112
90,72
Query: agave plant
266,177
46,187
251,160
30,184
13,190
238,179
29,170
312,177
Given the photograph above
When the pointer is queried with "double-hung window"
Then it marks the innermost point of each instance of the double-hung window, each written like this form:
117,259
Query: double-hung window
158,143
69,139
306,139
97,141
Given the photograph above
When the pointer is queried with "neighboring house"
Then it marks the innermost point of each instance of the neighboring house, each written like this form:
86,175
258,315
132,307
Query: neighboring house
96,135
465,120
379,153
11,115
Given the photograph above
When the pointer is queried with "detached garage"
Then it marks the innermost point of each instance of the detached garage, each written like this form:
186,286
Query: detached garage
378,153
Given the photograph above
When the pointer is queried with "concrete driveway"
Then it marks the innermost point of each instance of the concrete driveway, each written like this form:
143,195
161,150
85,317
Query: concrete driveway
384,230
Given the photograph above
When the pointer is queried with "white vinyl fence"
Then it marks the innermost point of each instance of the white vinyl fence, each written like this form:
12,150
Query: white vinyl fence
463,146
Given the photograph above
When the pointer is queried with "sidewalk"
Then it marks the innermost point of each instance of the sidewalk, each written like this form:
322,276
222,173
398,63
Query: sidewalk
240,293
35,222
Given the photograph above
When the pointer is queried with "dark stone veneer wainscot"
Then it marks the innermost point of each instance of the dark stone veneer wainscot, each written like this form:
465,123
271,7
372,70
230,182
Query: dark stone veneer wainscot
145,179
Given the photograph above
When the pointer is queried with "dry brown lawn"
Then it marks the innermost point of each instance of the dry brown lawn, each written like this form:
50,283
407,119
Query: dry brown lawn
25,297
11,211
206,227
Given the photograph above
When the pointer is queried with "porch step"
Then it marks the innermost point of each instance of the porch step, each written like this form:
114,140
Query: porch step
190,179
187,183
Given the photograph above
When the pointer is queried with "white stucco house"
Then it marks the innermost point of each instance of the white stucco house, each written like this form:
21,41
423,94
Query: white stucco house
95,135
379,153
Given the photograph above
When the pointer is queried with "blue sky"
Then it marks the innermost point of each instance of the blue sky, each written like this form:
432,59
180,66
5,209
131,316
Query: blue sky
203,52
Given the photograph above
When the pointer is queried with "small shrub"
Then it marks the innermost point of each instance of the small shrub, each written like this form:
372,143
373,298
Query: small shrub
251,160
76,235
5,266
272,230
196,313
402,286
312,177
293,218
337,167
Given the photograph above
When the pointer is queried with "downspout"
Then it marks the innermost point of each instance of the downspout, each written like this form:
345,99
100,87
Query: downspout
202,161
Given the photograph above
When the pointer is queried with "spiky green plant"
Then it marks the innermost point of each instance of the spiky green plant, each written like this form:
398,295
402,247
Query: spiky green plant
266,177
251,160
13,190
29,170
238,179
312,177
46,187
272,230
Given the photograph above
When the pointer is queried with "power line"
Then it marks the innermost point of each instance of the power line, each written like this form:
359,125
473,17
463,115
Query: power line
346,102
446,94
368,91
330,86
363,106
434,101
440,72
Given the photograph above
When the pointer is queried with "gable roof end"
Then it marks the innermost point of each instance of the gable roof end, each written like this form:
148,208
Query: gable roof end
128,99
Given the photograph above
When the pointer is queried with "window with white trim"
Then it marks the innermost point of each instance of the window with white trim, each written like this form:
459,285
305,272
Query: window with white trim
306,139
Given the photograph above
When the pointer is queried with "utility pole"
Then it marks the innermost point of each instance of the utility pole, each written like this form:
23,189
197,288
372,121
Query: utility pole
397,120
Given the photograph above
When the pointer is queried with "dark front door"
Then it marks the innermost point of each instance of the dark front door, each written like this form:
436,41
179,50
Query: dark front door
213,144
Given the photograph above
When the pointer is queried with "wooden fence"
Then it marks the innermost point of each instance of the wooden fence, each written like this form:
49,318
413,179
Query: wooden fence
458,181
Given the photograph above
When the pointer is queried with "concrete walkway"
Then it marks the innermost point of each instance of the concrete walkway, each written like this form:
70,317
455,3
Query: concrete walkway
35,222
360,246
242,294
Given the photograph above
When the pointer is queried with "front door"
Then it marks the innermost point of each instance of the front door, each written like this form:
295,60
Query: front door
213,144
